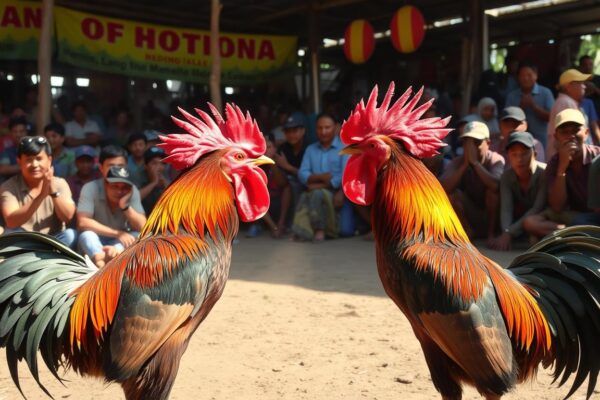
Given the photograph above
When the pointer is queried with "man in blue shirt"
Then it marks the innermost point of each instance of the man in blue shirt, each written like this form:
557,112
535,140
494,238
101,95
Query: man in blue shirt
321,172
534,99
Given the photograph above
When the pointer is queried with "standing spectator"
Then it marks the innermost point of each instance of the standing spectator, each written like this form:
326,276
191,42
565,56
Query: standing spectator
586,66
290,153
522,189
81,130
86,171
35,200
512,119
17,129
109,212
572,89
155,179
136,145
321,172
534,99
63,160
472,181
567,175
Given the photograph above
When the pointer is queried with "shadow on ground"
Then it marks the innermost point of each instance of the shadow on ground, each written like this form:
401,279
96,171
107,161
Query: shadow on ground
343,265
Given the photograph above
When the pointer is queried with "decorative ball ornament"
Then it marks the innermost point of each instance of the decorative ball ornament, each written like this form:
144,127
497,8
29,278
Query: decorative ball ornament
407,29
359,41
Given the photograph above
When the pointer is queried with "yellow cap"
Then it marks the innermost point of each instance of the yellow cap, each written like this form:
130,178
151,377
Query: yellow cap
572,75
476,130
569,115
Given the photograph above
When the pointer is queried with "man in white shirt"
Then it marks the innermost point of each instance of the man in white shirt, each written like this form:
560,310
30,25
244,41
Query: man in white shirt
81,130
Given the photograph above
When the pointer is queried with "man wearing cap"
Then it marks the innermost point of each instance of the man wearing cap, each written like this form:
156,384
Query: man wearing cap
86,171
512,119
567,175
536,100
522,189
471,181
572,90
63,160
35,200
110,212
290,153
155,180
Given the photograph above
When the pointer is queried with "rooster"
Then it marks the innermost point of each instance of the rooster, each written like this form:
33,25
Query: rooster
131,321
477,323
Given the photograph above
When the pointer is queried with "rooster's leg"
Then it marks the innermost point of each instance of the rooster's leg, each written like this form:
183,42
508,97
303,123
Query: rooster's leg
440,366
155,380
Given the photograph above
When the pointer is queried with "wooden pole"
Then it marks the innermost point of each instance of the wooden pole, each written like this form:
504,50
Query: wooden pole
45,67
215,51
313,45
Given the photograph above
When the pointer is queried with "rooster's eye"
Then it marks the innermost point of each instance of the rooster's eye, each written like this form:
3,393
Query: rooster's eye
239,156
372,145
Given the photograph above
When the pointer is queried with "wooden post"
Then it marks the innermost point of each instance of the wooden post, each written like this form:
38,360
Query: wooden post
313,45
472,58
45,67
215,51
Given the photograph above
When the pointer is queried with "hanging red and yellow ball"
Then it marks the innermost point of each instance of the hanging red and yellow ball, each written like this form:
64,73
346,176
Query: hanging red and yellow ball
359,41
407,29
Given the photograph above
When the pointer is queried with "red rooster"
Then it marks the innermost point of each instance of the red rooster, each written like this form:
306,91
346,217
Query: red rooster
131,321
477,323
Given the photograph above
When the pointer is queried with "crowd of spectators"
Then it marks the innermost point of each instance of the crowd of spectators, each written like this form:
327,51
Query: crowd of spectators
514,173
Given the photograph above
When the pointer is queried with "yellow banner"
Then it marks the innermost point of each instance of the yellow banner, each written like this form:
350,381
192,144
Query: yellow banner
20,23
157,51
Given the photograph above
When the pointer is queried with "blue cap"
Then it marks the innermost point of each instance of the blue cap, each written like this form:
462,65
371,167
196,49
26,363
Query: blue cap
153,152
295,120
85,151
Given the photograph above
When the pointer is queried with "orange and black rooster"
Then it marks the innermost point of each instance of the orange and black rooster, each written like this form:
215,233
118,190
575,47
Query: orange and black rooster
478,324
131,321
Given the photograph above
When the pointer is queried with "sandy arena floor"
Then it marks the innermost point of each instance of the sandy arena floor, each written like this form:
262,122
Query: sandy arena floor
296,321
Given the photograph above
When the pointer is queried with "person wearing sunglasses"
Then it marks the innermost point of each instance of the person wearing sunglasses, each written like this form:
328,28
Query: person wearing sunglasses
472,182
35,200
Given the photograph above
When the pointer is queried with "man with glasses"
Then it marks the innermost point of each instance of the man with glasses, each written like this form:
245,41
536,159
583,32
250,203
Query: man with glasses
472,182
110,212
35,200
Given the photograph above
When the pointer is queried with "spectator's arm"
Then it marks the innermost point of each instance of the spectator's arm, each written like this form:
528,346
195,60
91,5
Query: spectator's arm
16,215
64,206
506,205
490,179
305,172
8,169
539,203
540,112
557,191
86,222
135,213
452,176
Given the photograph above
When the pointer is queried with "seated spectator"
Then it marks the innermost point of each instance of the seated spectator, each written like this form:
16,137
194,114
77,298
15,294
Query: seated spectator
488,114
63,160
85,170
155,180
81,130
136,146
120,130
567,176
522,189
280,194
512,119
290,153
321,172
472,181
109,212
571,85
35,200
17,129
594,191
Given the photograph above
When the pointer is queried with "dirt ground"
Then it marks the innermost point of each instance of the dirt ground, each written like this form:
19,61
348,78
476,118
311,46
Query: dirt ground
296,321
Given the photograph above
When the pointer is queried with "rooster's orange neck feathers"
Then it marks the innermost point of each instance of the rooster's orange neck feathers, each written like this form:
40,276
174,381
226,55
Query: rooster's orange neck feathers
416,204
200,200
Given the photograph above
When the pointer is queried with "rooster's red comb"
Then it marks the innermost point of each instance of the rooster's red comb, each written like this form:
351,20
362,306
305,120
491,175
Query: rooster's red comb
208,134
422,138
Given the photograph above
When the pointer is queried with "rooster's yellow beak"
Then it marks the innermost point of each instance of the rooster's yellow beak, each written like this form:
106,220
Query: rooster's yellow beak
263,160
350,150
